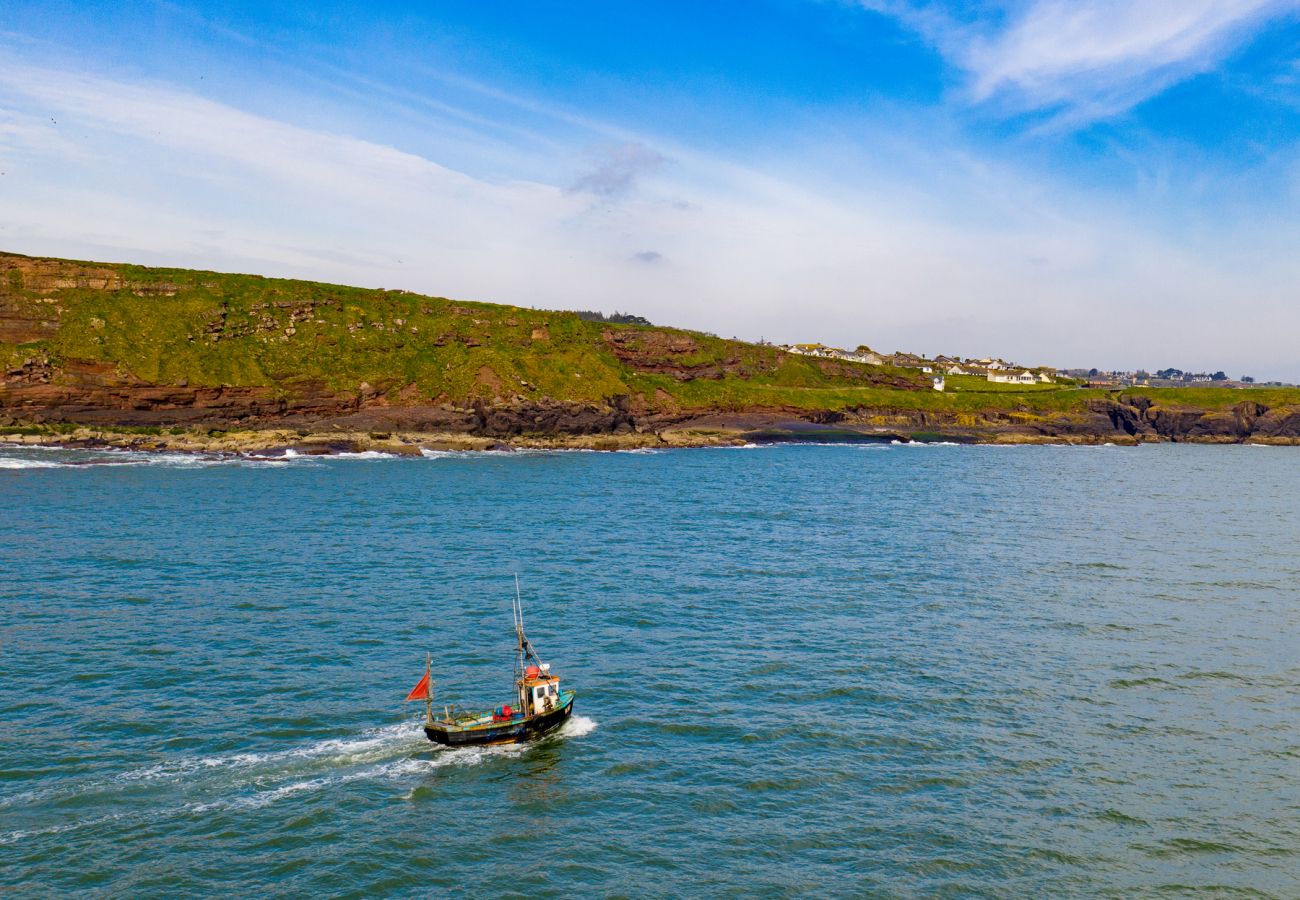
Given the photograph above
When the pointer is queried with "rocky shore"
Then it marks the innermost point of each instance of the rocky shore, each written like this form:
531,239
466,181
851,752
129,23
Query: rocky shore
273,441
1126,420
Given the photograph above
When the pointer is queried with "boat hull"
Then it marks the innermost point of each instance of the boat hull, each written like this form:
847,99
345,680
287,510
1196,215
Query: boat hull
513,732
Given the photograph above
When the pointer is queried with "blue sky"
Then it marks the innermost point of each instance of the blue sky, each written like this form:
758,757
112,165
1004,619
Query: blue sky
1091,182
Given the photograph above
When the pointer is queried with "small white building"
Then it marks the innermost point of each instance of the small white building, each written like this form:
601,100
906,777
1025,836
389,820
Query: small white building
937,381
1023,377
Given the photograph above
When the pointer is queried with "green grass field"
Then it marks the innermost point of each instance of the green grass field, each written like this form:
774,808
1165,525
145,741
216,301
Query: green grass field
974,384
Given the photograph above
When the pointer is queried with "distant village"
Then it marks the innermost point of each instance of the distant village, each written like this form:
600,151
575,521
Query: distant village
1000,371
1163,378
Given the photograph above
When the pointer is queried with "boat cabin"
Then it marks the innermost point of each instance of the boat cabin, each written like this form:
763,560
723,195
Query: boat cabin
539,690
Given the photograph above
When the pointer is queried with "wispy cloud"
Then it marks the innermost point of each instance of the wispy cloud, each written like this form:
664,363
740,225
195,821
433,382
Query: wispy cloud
1084,59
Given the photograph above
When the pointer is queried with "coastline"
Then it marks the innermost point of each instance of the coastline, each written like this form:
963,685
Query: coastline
114,355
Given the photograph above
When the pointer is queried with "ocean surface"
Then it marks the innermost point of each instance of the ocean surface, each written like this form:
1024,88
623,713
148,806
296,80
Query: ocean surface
801,670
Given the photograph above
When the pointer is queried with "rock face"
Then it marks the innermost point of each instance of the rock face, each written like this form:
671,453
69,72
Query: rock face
1137,418
45,276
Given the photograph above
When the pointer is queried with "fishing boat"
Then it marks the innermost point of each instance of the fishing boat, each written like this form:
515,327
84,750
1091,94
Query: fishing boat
540,706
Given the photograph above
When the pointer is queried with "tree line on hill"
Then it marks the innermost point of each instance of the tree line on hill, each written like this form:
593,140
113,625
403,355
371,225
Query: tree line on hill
1180,375
615,318
1172,374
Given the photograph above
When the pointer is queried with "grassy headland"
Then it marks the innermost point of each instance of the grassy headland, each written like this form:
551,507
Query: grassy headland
124,347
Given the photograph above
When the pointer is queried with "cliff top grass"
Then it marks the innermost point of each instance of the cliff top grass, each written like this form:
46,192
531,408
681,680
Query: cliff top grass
1216,397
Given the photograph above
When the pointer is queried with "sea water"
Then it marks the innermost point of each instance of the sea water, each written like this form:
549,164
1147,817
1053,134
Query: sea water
827,670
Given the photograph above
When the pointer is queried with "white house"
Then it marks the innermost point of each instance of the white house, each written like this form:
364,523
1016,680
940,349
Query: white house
811,349
866,356
1023,377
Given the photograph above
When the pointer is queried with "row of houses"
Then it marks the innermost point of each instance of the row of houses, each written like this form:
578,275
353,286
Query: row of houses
862,354
995,370
1000,371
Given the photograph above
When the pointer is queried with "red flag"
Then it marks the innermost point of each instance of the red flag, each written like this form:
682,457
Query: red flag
421,690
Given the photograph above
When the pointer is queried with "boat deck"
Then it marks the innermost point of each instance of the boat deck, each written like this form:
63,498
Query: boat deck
487,719
483,728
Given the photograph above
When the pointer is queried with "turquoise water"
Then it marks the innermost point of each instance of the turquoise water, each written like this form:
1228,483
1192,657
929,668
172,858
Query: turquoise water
893,670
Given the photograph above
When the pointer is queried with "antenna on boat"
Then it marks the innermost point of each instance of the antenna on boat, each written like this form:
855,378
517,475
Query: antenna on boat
517,613
525,646
519,607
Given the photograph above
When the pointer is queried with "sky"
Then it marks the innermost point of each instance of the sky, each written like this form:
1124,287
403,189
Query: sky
1109,183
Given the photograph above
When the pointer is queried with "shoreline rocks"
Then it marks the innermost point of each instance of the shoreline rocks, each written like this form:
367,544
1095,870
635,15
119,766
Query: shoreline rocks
585,429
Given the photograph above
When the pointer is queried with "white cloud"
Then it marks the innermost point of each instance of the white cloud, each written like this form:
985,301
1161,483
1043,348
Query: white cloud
1086,58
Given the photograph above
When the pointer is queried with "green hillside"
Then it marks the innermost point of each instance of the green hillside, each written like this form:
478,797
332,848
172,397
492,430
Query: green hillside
175,326
124,344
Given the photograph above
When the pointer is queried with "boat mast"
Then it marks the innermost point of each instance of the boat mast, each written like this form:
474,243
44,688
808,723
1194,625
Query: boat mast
517,613
516,609
526,648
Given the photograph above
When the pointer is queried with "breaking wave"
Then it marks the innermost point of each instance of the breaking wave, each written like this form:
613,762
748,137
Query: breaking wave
366,454
35,457
897,443
578,726
521,452
9,463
